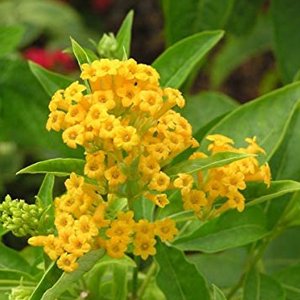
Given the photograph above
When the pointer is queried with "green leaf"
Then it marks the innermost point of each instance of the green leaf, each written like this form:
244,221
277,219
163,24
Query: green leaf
257,193
28,105
290,280
45,200
86,263
124,36
175,64
143,209
232,262
204,107
45,194
262,287
217,294
56,166
10,259
11,278
238,50
183,18
9,38
243,16
285,164
216,160
81,54
286,38
50,277
187,283
283,251
50,81
119,286
267,118
232,229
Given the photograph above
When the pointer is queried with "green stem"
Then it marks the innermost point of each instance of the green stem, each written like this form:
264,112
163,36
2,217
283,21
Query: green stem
135,279
147,280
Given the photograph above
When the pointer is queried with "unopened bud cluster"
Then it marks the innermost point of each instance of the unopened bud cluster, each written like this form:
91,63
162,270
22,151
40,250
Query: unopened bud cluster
20,217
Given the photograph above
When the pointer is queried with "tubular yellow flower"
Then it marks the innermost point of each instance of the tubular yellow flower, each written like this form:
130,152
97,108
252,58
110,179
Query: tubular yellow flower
115,248
114,176
126,138
166,229
67,262
160,182
144,246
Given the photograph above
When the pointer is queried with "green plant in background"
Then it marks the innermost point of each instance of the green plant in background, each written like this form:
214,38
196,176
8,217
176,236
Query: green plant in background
147,206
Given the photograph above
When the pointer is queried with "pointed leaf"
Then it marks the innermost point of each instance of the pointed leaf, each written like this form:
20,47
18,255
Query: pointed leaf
50,81
187,283
267,118
82,55
230,230
257,193
45,194
50,277
204,107
217,160
176,63
86,263
285,164
124,36
56,166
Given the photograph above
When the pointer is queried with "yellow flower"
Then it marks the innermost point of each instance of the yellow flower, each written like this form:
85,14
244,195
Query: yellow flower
77,245
109,127
73,136
160,182
119,229
166,229
150,101
106,98
219,143
115,247
75,115
67,262
75,183
74,91
144,246
114,176
55,120
95,165
148,165
144,227
160,200
63,220
184,182
194,200
126,138
53,247
85,226
99,216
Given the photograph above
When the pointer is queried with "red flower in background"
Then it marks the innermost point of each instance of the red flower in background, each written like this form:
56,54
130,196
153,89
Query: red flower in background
39,56
101,5
53,60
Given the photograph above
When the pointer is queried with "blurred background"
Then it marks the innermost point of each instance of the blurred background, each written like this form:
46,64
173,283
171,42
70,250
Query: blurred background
246,64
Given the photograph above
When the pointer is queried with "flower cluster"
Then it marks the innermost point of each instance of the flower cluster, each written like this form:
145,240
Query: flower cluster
125,122
83,222
126,125
212,192
19,217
